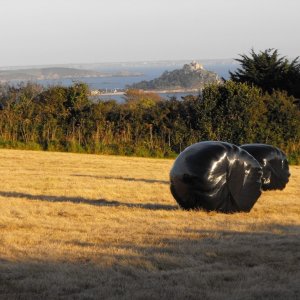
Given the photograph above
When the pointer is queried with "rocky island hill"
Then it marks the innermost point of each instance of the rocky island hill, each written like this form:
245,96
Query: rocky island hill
192,77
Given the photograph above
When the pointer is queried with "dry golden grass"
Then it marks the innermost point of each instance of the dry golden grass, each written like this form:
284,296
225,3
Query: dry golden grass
76,226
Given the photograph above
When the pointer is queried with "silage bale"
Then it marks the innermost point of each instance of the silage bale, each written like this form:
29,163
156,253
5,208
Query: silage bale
274,165
216,176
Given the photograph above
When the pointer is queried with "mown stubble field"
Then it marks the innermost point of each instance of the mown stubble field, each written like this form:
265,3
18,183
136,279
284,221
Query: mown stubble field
76,226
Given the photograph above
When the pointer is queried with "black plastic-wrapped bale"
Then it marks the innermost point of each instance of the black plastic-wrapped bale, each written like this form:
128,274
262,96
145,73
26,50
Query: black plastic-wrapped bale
216,176
274,165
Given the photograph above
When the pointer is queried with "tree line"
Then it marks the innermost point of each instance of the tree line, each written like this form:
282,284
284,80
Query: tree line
60,118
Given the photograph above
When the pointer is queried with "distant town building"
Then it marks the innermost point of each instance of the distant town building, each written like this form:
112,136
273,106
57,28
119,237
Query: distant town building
95,92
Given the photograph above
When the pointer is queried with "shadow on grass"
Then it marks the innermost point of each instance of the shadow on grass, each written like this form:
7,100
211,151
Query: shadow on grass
210,264
96,202
124,178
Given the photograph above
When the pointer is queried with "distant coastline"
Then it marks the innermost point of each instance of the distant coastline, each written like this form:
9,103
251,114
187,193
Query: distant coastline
60,74
118,76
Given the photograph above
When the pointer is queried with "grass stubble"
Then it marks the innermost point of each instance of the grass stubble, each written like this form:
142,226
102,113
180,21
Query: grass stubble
77,226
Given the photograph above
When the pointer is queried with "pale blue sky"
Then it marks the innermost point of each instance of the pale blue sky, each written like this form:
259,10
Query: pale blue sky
39,32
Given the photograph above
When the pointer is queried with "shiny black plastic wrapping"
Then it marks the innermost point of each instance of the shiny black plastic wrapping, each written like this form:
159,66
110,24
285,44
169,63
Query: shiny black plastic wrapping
274,165
216,176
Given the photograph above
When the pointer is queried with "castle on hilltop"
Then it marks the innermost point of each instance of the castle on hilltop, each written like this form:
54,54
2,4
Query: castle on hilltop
193,66
191,76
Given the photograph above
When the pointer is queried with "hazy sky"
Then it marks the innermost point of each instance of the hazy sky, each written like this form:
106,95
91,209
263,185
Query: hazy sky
35,32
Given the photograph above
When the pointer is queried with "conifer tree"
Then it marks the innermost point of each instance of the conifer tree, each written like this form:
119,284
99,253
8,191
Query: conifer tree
269,71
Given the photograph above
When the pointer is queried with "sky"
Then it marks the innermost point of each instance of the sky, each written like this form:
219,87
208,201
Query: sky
45,32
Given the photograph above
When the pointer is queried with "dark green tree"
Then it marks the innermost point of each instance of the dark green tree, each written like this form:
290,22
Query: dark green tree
232,112
269,71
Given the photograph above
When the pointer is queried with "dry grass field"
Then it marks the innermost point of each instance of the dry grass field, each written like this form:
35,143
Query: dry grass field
76,226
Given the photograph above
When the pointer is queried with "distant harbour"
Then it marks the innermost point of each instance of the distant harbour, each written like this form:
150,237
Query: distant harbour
120,96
